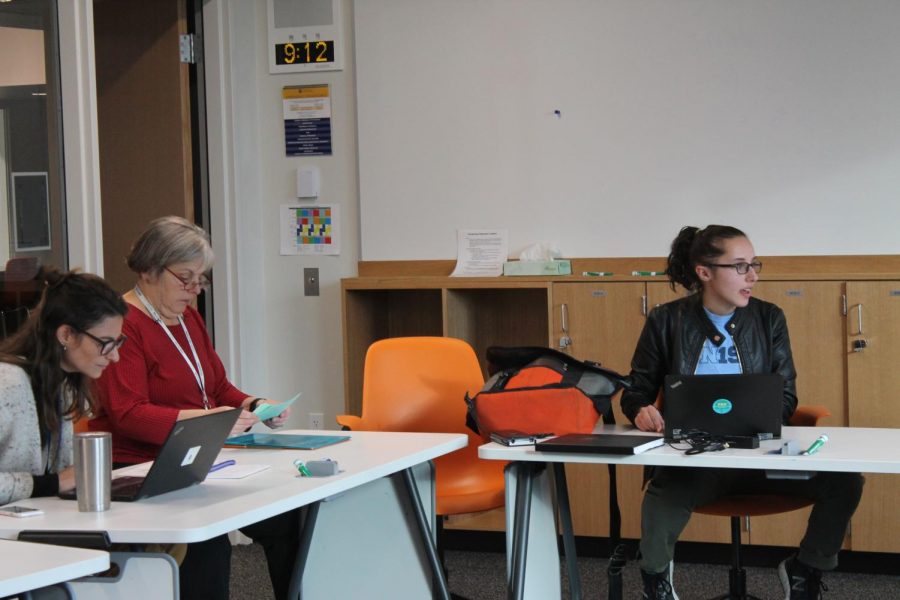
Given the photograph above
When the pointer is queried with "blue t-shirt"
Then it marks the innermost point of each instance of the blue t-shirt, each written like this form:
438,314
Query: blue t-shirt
721,359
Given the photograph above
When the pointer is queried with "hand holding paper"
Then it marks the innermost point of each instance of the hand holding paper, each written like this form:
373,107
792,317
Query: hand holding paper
266,411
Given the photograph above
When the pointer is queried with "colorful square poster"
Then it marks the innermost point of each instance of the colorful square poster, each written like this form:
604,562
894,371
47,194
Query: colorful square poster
307,229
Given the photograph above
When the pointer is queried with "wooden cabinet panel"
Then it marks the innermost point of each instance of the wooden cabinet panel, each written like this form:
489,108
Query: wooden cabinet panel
371,315
873,383
497,317
813,313
604,322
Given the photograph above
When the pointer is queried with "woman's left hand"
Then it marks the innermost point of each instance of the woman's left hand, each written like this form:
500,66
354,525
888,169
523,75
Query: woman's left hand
279,421
66,479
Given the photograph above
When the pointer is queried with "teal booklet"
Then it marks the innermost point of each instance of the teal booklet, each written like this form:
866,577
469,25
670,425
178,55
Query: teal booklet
270,411
285,440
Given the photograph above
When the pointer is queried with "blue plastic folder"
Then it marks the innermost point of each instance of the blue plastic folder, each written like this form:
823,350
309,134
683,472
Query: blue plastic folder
285,440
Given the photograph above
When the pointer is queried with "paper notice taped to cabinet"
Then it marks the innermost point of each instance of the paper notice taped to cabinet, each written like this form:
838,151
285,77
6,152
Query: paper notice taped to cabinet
481,252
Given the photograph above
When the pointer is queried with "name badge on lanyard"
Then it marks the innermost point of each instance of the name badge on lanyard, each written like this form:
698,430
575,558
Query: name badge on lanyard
195,367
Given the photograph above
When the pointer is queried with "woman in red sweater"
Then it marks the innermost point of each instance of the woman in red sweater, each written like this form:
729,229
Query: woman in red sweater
169,371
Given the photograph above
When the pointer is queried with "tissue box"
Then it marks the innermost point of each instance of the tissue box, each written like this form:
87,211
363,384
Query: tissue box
537,267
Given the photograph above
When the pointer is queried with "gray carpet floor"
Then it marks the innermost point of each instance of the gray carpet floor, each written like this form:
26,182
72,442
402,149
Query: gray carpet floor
481,576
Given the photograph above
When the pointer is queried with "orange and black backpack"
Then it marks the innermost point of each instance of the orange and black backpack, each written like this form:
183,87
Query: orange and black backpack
541,390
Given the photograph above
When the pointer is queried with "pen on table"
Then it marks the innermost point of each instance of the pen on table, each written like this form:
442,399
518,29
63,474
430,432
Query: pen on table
221,465
304,470
814,447
646,273
596,274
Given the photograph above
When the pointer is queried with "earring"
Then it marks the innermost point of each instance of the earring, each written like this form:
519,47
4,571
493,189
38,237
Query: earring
65,348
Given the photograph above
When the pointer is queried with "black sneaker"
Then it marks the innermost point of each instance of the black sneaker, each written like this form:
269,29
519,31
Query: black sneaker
800,582
658,586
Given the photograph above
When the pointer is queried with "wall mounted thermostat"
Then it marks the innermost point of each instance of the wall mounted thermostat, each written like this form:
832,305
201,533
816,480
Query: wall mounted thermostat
304,35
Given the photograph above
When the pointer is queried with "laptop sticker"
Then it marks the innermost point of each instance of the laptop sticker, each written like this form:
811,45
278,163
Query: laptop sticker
190,456
722,406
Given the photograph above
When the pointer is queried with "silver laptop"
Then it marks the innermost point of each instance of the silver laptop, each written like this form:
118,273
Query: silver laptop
723,404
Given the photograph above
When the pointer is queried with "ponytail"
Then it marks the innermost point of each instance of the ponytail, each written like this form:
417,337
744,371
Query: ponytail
693,246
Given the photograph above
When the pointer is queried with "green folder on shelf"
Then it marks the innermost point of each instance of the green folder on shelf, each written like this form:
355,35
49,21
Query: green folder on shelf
284,440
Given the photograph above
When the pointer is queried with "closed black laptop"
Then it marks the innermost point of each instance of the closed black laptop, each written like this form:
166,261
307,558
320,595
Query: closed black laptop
723,404
184,459
600,443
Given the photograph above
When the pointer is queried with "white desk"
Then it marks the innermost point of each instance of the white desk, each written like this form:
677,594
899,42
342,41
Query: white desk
25,567
531,534
218,506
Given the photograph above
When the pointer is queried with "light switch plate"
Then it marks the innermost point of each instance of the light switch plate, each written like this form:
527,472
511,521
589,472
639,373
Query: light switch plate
310,281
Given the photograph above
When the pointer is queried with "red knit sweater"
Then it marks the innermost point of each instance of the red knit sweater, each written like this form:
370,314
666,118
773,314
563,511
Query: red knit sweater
140,396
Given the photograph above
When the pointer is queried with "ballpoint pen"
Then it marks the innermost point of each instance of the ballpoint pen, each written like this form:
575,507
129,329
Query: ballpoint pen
221,465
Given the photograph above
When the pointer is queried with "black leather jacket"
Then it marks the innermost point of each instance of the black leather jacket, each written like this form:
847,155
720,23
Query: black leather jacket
673,338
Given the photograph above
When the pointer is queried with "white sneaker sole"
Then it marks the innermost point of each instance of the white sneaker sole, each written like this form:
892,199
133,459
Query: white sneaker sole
785,580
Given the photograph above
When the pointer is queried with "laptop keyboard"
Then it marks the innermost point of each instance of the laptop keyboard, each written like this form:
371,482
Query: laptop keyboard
126,487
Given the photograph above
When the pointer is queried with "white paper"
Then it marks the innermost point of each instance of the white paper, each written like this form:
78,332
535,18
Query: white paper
481,252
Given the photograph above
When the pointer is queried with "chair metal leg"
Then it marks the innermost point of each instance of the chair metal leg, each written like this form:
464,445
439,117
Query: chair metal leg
737,576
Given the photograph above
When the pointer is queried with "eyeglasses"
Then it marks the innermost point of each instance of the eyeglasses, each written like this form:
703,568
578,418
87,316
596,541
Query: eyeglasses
106,345
741,267
202,283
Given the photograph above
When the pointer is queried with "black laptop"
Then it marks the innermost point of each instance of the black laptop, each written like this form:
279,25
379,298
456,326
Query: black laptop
723,404
184,459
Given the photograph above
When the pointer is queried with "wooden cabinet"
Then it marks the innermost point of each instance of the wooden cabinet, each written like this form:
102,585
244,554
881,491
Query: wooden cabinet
604,321
822,297
873,381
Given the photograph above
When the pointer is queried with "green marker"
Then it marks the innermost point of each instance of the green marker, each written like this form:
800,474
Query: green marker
596,274
814,447
301,466
646,273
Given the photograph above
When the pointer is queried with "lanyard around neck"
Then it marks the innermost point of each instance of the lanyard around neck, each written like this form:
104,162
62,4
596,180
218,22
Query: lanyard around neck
197,370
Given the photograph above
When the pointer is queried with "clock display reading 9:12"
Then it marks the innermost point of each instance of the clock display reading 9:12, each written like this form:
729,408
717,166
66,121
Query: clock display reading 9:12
321,51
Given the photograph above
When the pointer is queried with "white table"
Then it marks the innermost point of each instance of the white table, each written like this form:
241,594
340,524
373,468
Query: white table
25,567
531,526
356,513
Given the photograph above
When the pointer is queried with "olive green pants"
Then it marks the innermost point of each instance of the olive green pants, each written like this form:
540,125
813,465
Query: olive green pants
673,492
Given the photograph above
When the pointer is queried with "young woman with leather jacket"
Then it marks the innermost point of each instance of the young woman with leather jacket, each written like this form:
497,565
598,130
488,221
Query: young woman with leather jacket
721,328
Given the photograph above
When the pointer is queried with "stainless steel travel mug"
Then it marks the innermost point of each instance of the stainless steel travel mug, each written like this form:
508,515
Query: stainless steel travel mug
93,470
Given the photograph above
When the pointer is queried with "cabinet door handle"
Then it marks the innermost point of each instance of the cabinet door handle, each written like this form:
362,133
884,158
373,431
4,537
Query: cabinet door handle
859,319
564,340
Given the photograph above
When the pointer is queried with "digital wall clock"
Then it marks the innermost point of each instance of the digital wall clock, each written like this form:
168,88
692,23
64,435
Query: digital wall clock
304,35
319,52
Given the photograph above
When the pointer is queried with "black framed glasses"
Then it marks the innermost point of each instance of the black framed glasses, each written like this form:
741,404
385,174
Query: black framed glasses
106,345
740,267
202,283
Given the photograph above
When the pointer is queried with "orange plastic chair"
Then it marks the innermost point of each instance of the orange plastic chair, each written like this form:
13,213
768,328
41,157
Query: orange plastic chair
419,384
757,505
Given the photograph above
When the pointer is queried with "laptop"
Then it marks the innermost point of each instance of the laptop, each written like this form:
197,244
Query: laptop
184,459
600,443
723,404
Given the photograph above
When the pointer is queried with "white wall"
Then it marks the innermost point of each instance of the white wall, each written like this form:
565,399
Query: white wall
273,339
778,116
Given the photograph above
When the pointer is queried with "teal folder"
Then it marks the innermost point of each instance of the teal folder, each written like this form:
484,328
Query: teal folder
285,440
